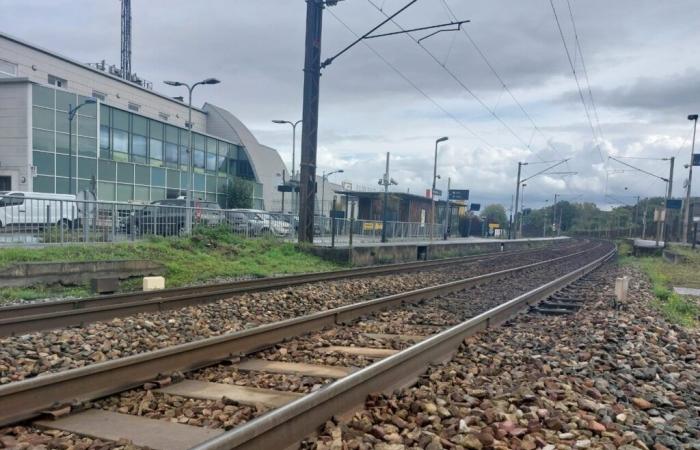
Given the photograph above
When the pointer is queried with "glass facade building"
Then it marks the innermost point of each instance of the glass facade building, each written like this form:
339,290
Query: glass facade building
123,156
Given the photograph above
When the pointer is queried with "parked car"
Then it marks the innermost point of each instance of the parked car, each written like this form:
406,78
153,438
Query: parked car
37,209
255,222
168,217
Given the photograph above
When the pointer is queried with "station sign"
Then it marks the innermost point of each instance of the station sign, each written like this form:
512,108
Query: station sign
437,192
696,159
458,194
672,203
475,207
287,188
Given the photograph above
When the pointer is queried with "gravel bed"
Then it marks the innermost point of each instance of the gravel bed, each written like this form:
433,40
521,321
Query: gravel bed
36,353
32,438
613,375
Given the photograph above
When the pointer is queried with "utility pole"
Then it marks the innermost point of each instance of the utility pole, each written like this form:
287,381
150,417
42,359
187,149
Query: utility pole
522,209
517,198
432,192
309,129
669,194
686,215
554,214
386,181
447,210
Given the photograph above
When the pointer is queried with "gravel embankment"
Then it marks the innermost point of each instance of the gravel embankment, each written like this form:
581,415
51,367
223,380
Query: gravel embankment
57,350
607,377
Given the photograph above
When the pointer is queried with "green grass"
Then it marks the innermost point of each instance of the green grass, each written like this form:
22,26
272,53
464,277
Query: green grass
676,308
208,254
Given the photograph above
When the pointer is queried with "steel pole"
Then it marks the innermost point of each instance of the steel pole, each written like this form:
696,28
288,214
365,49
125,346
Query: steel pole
686,215
669,194
190,165
70,153
432,193
386,183
309,138
447,207
323,192
517,198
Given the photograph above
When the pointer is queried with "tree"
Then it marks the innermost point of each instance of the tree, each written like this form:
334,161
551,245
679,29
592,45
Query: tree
495,213
240,194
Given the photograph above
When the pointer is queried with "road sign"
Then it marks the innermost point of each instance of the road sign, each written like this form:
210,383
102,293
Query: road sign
696,159
437,192
458,194
674,203
287,188
475,207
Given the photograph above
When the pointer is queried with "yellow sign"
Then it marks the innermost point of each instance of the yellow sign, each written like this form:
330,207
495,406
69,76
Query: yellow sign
494,225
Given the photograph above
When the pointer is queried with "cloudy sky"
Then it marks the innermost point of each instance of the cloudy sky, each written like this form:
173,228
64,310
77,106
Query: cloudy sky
398,95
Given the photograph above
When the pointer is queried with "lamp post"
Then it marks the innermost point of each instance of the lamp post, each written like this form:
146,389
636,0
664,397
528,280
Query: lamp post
386,181
432,192
190,165
294,147
323,185
686,214
71,115
517,197
522,208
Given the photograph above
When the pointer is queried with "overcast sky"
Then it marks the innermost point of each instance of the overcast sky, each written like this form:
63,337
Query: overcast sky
641,58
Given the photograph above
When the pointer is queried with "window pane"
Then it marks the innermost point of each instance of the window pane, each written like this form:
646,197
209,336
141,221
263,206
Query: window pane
125,172
232,152
156,150
108,170
156,129
142,174
242,155
157,194
141,193
221,165
211,146
211,183
184,158
87,146
63,187
198,182
62,143
65,100
120,119
125,192
171,154
211,162
139,125
43,140
89,109
184,180
43,118
120,141
87,168
44,184
198,141
63,165
87,126
105,191
104,115
62,122
157,177
139,148
43,96
44,163
173,179
104,137
199,159
171,134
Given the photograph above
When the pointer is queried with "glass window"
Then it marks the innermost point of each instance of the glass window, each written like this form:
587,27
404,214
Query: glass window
157,177
104,114
221,165
105,191
184,137
184,158
43,140
139,125
198,182
63,165
184,181
87,168
142,174
125,192
62,122
242,155
156,151
62,143
173,179
171,154
139,148
104,137
65,100
83,185
87,146
199,159
44,184
120,141
120,119
87,126
141,193
198,141
43,96
211,146
89,110
157,194
43,118
221,183
156,129
211,162
108,170
211,183
44,163
171,134
63,186
232,151
232,167
125,172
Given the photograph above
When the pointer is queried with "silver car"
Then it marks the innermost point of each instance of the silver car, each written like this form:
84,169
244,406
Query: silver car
255,222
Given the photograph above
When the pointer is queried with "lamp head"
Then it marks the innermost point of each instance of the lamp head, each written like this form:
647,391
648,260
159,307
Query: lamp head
90,100
279,121
211,81
173,83
693,117
442,139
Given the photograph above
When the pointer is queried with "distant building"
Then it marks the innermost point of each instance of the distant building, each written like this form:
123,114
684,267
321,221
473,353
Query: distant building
401,206
129,146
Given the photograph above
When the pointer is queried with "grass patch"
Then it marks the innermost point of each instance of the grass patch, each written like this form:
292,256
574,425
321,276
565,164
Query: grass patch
676,308
208,254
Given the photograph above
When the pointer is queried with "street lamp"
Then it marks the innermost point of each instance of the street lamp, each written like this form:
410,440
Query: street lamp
522,207
190,166
71,115
323,185
294,146
686,215
432,192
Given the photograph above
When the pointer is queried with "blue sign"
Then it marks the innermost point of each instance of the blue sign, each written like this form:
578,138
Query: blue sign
696,159
475,207
674,204
458,194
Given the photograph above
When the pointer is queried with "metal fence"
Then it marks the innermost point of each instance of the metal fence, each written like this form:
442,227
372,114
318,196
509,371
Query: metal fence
56,219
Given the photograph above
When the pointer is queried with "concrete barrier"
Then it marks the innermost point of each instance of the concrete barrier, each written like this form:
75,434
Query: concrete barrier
75,272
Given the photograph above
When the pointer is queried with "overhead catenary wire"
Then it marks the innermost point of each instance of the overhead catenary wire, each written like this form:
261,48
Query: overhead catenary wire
412,83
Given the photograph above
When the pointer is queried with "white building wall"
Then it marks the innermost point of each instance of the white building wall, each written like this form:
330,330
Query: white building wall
37,65
15,133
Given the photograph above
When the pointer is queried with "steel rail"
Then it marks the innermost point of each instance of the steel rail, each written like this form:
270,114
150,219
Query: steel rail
27,398
291,423
20,319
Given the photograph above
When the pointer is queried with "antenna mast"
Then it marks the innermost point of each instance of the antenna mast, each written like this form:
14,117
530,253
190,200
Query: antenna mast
126,39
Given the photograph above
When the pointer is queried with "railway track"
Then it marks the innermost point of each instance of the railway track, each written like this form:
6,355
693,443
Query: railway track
294,418
24,318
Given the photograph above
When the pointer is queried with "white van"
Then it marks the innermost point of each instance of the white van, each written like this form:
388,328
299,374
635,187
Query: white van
35,208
